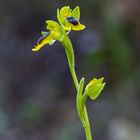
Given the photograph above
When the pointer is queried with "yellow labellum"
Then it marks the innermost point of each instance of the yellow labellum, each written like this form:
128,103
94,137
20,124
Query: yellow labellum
45,41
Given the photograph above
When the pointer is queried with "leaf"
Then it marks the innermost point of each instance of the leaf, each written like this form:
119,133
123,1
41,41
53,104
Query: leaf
81,86
76,13
80,97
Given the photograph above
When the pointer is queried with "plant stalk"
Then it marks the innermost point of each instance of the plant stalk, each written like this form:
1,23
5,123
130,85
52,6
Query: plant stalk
71,60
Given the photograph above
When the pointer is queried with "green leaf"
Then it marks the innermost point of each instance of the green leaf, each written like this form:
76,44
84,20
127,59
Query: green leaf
79,99
94,88
81,86
76,13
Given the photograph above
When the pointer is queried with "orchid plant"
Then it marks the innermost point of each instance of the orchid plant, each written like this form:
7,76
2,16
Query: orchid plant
70,20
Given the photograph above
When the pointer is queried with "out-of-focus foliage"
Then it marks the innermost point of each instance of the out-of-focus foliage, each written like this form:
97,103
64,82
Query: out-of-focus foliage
36,98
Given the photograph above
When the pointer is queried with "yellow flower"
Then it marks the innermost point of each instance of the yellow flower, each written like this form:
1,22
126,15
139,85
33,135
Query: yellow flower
94,88
69,19
55,33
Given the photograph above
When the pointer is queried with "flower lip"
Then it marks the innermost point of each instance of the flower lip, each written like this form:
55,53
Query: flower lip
43,37
72,20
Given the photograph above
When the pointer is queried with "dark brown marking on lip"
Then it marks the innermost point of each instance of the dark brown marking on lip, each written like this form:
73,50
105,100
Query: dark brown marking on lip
72,20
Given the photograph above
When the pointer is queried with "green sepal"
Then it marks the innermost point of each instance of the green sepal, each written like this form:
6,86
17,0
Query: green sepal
58,16
55,29
76,13
94,92
52,25
94,88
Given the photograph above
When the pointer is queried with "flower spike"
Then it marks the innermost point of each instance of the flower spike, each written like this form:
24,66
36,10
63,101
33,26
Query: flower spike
70,20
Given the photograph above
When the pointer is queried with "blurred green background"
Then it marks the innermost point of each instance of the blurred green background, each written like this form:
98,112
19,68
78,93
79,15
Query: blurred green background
37,94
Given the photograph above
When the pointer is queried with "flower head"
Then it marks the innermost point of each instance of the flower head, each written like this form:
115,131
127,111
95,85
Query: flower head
94,88
69,19
54,33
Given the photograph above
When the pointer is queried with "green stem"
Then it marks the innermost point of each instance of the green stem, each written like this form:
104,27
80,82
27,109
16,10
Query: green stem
87,125
74,76
71,60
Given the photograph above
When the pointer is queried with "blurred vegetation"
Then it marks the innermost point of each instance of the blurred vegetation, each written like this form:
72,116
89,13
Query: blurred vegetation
37,95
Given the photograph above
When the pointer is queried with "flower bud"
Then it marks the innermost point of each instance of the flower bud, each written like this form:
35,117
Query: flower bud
94,88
